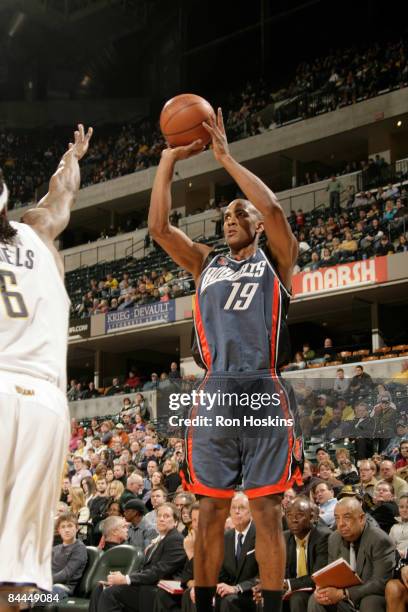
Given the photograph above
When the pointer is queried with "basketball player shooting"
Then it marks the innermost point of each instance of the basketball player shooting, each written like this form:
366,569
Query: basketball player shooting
34,432
241,305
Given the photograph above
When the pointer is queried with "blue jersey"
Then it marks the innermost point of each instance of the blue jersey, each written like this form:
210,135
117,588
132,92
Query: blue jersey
240,315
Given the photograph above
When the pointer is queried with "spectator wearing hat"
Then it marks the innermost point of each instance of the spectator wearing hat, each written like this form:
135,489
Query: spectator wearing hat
139,533
153,383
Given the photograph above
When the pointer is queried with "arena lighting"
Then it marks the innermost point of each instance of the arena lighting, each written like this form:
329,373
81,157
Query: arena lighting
16,24
399,123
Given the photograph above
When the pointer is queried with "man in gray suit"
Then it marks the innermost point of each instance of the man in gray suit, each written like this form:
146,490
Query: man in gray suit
370,553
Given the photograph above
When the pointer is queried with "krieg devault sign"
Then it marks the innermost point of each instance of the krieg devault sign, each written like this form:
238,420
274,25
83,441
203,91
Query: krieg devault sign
138,316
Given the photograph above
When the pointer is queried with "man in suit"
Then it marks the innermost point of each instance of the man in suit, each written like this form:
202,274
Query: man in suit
362,429
306,552
239,569
164,559
370,553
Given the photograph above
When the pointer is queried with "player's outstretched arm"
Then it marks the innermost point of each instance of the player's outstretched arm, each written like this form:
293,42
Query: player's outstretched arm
52,213
188,254
281,241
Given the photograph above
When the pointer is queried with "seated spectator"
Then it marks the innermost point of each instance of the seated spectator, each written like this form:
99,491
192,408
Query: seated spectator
368,481
306,551
78,507
402,246
172,479
385,510
388,473
132,382
361,383
114,532
403,461
324,496
309,480
362,429
340,385
134,489
164,559
399,531
347,471
69,559
385,247
370,553
308,353
142,406
90,392
325,471
349,245
153,383
115,489
174,371
115,388
139,533
158,497
298,363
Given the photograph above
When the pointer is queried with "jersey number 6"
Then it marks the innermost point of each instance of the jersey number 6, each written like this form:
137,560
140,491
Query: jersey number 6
13,301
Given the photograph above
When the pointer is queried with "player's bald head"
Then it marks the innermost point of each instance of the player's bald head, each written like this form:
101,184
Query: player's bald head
247,205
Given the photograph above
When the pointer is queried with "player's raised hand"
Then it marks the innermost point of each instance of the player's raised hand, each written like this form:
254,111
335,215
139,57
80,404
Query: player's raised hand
219,138
81,142
185,152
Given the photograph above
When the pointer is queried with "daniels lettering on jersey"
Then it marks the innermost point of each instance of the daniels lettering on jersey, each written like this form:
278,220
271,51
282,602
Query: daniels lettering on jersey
15,256
216,275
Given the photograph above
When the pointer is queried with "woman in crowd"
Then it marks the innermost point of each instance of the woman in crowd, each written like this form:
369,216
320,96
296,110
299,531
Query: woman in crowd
115,489
172,479
78,507
89,488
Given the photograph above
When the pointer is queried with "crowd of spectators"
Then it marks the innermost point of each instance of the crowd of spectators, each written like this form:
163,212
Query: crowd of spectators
372,223
342,77
113,295
122,475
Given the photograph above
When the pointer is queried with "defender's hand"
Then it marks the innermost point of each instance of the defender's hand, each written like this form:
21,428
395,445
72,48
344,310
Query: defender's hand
218,135
81,142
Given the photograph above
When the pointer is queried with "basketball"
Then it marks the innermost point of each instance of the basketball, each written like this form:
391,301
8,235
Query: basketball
181,120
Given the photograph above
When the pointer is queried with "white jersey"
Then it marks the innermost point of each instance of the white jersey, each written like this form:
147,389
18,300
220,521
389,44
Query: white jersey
34,309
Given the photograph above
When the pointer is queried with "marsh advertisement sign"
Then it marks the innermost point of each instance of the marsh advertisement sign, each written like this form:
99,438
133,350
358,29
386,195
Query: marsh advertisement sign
342,276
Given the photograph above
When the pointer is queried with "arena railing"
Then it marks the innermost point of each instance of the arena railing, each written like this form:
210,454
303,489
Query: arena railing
396,173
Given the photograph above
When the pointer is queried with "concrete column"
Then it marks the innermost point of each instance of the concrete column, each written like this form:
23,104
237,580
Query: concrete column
98,369
376,337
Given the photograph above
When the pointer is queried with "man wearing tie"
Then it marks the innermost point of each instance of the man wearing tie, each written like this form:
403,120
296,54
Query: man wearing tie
371,555
306,552
239,570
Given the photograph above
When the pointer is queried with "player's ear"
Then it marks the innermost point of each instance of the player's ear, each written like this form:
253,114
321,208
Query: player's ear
259,228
